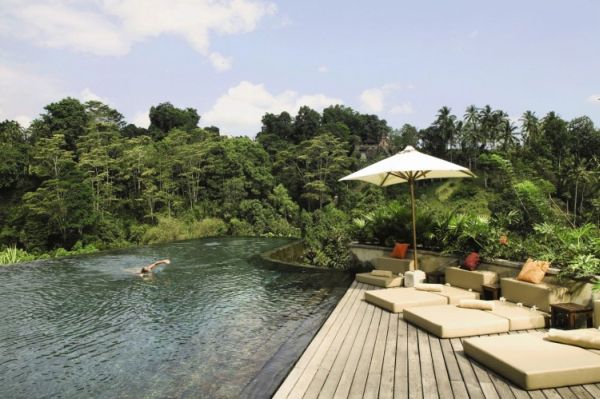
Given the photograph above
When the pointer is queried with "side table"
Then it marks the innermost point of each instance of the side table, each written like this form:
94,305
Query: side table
564,315
490,291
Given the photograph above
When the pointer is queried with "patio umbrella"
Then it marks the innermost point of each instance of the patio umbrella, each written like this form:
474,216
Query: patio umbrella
407,166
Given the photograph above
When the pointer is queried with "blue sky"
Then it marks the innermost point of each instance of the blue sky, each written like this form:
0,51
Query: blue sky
235,60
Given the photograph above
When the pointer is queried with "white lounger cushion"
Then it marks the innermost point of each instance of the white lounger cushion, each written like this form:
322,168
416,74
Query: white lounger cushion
532,363
396,299
448,321
385,282
520,317
454,294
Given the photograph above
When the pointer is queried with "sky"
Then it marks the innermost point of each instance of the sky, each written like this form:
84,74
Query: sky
235,60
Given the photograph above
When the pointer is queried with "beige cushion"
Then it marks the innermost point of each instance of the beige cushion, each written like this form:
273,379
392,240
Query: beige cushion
470,279
588,338
476,304
532,363
429,287
396,299
541,295
454,295
520,317
393,264
381,273
448,321
533,271
385,282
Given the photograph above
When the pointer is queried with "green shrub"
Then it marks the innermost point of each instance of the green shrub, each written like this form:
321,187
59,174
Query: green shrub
209,227
327,235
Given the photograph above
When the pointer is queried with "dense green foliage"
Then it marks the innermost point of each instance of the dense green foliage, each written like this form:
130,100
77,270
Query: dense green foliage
80,177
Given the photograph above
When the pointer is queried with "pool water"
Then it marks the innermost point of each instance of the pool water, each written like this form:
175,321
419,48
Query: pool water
202,327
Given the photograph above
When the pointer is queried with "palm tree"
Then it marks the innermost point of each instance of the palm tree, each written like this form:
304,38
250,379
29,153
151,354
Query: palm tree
446,125
529,127
507,135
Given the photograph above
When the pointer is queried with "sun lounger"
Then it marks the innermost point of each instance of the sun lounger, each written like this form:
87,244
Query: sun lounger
533,363
396,299
379,281
448,321
520,317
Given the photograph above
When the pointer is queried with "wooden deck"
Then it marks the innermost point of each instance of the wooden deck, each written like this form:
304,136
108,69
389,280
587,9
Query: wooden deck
362,351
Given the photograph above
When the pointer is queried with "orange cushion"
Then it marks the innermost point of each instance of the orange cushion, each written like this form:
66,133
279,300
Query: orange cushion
471,261
533,271
399,251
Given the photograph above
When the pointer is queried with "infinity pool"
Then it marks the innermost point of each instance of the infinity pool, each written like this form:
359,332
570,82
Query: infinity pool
206,326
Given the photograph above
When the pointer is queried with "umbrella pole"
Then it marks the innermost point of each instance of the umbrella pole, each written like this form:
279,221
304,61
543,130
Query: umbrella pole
411,182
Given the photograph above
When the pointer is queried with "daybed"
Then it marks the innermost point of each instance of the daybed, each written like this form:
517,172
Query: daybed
531,362
448,321
396,299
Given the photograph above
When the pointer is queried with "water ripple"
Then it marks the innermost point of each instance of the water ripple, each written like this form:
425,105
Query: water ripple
201,327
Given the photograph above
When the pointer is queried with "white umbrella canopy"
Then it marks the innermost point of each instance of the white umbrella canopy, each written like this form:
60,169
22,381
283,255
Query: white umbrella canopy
407,166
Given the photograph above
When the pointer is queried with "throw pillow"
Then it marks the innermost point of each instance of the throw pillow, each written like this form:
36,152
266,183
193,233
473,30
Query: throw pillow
381,273
471,261
533,271
476,304
400,251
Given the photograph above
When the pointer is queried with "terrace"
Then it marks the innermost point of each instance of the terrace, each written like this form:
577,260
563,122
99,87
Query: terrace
364,351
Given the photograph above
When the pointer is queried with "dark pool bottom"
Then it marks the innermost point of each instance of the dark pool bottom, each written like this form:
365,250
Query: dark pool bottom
216,323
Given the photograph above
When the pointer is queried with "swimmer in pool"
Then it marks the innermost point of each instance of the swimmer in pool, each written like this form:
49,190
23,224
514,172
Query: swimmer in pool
147,270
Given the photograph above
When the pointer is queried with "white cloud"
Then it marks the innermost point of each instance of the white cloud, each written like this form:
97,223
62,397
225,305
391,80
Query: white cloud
24,120
88,95
239,111
594,98
405,108
141,119
372,100
323,69
220,62
23,93
111,27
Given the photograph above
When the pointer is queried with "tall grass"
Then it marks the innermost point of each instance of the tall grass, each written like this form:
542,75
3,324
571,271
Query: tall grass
12,255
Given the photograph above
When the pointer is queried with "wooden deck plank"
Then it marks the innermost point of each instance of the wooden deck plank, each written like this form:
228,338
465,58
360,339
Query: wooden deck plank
386,389
401,372
345,381
345,333
466,369
364,351
415,386
357,388
428,380
439,366
374,374
317,353
289,383
352,341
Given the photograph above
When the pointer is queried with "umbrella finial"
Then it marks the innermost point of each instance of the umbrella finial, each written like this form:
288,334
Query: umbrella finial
408,148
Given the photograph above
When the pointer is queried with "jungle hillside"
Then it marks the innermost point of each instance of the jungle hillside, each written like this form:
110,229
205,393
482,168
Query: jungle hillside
81,179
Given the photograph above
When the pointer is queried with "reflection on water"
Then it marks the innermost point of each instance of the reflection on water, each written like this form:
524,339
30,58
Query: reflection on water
200,327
